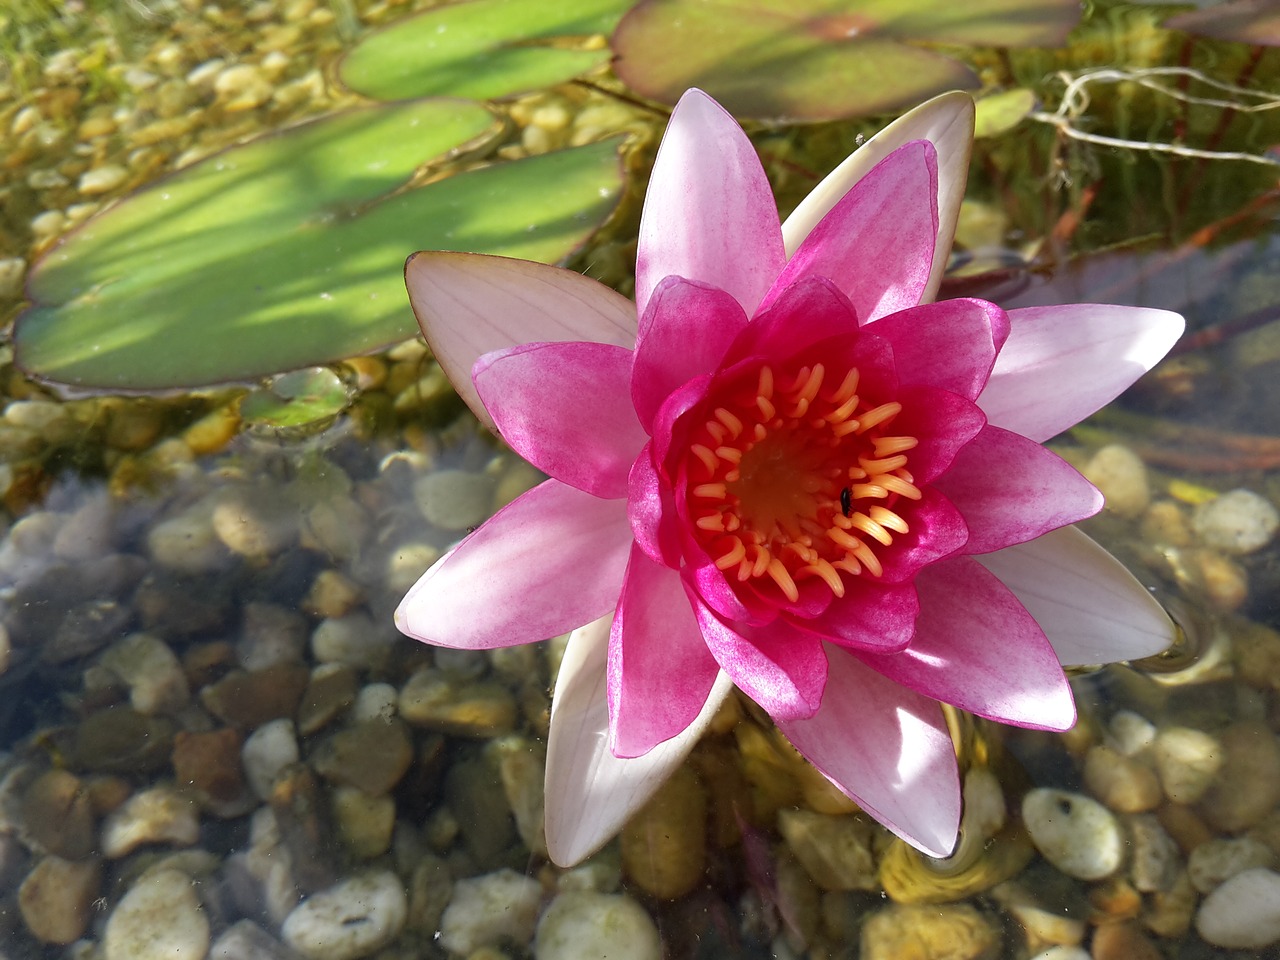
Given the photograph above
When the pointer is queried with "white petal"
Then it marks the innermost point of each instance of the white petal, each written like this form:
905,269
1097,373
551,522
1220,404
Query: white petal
1091,608
590,793
946,122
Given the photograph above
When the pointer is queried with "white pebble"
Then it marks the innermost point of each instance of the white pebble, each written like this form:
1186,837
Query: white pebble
267,751
354,918
375,701
156,681
354,640
1243,913
102,179
1077,835
1122,477
1215,861
1187,761
454,499
485,910
1237,522
1131,733
580,925
157,815
158,919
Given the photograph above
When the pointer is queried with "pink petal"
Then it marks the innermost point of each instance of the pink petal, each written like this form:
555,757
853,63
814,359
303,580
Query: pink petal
947,123
590,793
943,423
1090,607
469,304
652,512
684,333
870,616
1061,364
549,561
709,213
566,408
977,648
660,671
781,668
1011,489
936,530
877,242
951,345
887,748
808,311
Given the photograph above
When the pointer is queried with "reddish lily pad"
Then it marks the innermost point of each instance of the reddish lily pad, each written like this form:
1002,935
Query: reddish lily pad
1242,21
819,59
288,252
483,49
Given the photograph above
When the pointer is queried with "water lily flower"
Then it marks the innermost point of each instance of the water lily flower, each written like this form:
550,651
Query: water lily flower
784,467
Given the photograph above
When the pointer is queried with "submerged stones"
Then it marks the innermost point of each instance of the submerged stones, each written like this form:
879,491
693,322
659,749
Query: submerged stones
1076,834
354,918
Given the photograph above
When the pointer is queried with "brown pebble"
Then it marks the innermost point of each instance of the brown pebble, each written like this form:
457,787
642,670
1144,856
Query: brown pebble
1248,785
1123,940
57,896
205,663
1115,899
1121,783
209,762
1256,651
664,844
247,700
328,694
57,814
372,755
120,740
1184,825
938,932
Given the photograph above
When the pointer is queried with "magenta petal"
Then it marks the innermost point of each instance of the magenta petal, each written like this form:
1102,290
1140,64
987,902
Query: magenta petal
469,304
1011,490
566,408
652,514
977,648
887,748
942,422
779,667
808,311
590,793
1092,609
936,530
709,213
660,671
683,334
875,617
549,561
1060,364
951,345
877,242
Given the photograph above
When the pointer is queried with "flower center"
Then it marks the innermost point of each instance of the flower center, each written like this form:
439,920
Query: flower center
798,478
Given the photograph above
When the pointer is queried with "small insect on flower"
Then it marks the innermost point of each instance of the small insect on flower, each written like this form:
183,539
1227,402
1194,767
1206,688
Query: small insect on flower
846,501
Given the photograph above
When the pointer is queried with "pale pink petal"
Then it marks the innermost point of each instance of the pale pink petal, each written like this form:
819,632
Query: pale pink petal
870,616
887,748
877,242
977,648
781,668
947,123
566,408
1011,489
684,333
660,671
1091,608
951,344
590,793
709,213
1060,364
549,561
469,304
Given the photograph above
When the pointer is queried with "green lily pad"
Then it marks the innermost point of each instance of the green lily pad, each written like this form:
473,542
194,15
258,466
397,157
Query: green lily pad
300,398
1001,112
483,49
288,252
819,59
1243,21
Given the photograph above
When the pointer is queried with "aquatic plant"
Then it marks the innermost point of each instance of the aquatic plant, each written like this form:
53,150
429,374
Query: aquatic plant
784,468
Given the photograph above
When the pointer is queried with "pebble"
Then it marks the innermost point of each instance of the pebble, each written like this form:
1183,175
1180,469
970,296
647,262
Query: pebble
209,763
579,925
488,909
267,751
522,768
835,850
1187,761
1123,940
246,940
1248,785
373,756
354,640
435,700
375,701
57,815
1155,855
1131,733
12,270
1211,864
939,932
160,918
454,500
331,595
270,634
186,543
664,844
102,179
354,918
1122,477
158,815
255,523
1122,783
1237,522
242,87
364,822
1076,834
1243,913
330,691
146,665
56,897
246,700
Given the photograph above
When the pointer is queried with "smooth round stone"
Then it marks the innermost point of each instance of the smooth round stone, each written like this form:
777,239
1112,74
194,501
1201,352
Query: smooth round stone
158,919
1131,733
153,816
437,701
56,897
354,640
1247,787
1122,783
372,756
1213,863
102,179
1063,953
936,930
1243,913
1238,522
151,671
488,909
1123,940
353,918
835,850
578,925
267,751
270,635
1155,860
454,499
187,543
57,815
365,823
1077,835
1122,477
1187,760
254,523
375,701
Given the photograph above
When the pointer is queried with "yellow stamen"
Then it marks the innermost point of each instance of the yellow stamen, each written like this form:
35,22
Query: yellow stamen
881,414
887,518
783,579
735,553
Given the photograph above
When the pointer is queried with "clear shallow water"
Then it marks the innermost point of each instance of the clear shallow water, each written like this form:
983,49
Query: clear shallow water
191,607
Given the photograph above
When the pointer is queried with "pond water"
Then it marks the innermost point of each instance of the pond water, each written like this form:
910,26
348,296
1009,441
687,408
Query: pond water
207,716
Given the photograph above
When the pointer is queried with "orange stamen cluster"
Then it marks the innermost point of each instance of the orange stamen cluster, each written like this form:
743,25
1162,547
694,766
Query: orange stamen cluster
798,478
